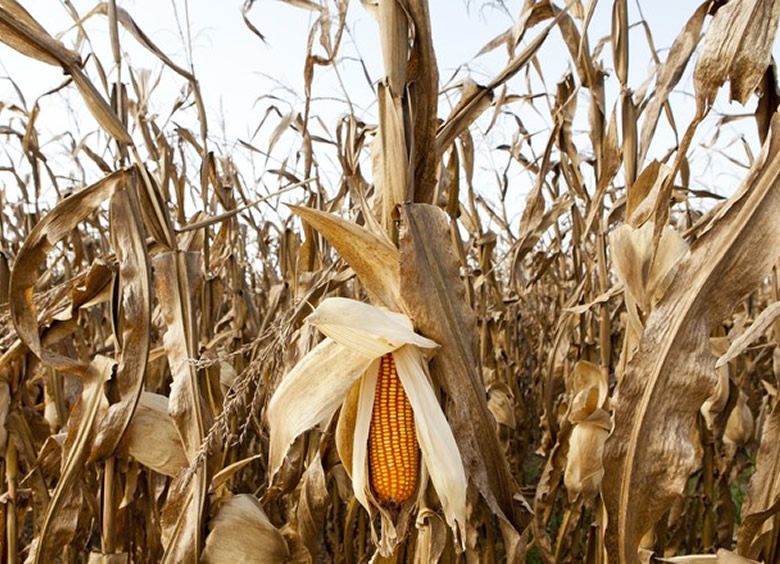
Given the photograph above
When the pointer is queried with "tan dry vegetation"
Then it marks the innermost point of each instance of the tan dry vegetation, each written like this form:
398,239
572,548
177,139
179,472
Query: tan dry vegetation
596,384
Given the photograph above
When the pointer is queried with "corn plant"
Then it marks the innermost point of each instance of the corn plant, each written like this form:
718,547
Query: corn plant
391,367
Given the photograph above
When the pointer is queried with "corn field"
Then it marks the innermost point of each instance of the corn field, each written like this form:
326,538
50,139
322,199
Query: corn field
336,341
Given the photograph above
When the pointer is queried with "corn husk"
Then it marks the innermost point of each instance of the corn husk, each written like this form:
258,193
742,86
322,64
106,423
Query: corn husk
739,426
241,532
584,466
152,438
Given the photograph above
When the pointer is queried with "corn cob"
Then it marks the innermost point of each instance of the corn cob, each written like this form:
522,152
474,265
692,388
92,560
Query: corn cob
392,440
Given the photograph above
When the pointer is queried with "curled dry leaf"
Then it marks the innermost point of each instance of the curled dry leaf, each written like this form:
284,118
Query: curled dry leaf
50,230
584,467
240,531
672,373
719,398
431,537
133,319
312,505
643,197
501,404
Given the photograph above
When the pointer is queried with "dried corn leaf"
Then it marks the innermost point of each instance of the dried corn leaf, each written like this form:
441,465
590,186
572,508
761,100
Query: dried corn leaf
312,505
644,193
23,33
431,537
423,94
54,227
584,468
756,329
61,521
768,102
738,48
620,40
739,426
373,258
434,294
672,373
474,100
670,73
394,38
100,110
610,164
126,20
134,319
178,277
389,152
220,478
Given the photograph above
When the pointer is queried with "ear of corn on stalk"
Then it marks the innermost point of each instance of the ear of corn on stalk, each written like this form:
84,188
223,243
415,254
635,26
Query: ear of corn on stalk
393,451
399,420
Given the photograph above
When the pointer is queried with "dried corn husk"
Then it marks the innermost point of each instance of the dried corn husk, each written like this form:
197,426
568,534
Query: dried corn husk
241,532
584,466
152,438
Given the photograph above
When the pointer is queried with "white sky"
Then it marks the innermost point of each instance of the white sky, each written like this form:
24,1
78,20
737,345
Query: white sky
237,73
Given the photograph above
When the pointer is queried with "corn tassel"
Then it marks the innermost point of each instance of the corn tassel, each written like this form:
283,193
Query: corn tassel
392,440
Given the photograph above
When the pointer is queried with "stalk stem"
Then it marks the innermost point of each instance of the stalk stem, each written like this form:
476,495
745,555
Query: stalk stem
109,511
11,473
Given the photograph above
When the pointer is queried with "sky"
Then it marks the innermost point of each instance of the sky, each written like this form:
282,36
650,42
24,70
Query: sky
241,76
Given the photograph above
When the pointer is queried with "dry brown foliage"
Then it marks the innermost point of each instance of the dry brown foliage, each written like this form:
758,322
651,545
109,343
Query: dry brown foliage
608,366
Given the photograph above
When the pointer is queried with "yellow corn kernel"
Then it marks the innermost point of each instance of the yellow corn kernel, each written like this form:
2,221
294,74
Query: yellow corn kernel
393,452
